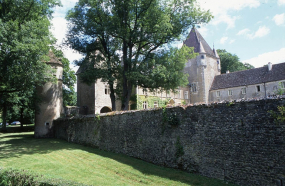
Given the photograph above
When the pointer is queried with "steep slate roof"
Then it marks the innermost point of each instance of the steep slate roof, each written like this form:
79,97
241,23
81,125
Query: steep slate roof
193,40
249,77
80,69
53,59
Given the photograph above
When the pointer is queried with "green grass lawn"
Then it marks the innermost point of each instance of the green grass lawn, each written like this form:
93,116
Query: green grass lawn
60,159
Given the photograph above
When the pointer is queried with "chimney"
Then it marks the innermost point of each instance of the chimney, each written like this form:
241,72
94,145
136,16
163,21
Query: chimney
227,72
269,66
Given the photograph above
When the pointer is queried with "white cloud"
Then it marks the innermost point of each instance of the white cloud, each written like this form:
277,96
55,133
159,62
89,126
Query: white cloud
279,19
281,2
223,40
221,8
263,59
243,32
261,32
59,28
225,18
232,41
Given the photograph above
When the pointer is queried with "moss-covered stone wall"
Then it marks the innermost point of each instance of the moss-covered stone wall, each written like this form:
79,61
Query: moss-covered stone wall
238,142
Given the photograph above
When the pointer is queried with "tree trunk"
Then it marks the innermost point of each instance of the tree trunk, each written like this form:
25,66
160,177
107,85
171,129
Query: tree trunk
21,118
112,96
125,102
4,114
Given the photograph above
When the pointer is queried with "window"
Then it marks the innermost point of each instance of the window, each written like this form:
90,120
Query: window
107,89
155,104
230,92
258,88
193,87
218,94
178,93
144,105
243,90
202,56
185,94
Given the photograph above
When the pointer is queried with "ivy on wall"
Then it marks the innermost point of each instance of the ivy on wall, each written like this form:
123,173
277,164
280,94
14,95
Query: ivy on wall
150,101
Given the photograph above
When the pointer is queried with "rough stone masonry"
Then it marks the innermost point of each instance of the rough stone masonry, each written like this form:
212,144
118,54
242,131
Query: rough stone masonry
238,142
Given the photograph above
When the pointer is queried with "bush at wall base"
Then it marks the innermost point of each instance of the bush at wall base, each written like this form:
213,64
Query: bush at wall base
26,178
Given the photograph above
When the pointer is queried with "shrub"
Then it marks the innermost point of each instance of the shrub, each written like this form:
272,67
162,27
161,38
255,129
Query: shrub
25,178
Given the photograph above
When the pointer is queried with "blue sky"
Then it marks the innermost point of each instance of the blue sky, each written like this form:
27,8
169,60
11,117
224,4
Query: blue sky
254,30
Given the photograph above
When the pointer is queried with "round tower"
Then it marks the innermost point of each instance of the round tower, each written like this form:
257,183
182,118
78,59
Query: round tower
51,105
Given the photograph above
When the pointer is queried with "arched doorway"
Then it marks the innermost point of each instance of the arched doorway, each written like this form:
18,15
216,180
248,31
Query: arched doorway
105,110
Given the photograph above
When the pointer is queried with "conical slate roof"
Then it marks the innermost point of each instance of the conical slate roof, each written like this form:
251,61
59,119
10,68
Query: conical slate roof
194,39
53,59
216,53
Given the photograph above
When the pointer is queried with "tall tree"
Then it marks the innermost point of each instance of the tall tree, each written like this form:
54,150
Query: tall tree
230,62
134,31
24,38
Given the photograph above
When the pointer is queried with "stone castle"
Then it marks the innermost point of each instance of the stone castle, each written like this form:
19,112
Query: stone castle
206,83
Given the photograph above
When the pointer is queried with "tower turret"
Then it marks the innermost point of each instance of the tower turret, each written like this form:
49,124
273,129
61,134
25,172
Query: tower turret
218,59
203,69
202,55
51,105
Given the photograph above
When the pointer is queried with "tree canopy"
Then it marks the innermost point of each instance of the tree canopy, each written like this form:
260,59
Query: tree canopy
230,62
25,40
130,39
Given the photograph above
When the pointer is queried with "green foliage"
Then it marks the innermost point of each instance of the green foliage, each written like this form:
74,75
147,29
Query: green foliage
97,117
133,46
281,89
179,148
231,62
173,120
150,101
26,178
230,103
24,38
279,115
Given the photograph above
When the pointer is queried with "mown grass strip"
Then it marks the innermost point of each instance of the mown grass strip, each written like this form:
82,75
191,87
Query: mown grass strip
55,158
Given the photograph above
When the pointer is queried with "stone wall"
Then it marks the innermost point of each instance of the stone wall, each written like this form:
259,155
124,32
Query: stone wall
237,142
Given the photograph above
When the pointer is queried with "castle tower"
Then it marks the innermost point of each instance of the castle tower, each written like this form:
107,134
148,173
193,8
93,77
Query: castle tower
201,69
51,105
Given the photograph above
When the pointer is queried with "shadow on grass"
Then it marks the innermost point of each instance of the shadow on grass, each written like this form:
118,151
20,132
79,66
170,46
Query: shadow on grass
19,144
17,128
